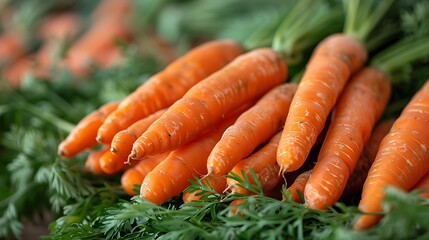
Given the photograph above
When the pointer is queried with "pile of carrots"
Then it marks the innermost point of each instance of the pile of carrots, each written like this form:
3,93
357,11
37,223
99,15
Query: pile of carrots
71,42
220,111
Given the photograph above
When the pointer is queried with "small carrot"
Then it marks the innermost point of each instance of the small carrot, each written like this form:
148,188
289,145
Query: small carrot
166,87
217,183
327,72
356,180
122,142
402,159
136,174
247,77
92,163
423,186
172,175
83,135
251,129
264,165
12,46
366,94
298,186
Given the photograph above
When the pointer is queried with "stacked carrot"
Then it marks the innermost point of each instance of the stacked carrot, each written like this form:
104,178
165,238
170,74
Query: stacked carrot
219,111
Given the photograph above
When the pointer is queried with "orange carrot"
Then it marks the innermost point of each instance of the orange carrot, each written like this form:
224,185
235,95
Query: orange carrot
298,186
166,87
247,77
12,46
217,183
402,159
83,135
123,141
264,165
95,41
329,68
172,175
357,110
251,129
111,10
137,173
92,163
423,186
356,180
111,163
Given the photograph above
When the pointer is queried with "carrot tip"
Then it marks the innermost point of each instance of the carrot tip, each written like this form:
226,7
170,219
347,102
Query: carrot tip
113,149
99,139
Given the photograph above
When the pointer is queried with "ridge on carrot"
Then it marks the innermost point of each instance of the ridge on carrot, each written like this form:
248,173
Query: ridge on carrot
331,64
167,86
251,129
247,77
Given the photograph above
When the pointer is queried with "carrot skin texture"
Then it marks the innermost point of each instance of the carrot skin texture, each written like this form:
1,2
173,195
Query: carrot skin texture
92,162
83,135
137,173
264,165
172,175
248,77
358,109
217,183
329,68
402,159
122,142
111,163
357,178
251,129
169,85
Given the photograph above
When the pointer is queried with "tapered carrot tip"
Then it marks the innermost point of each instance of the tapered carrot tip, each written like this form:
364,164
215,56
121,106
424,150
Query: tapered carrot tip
365,222
106,133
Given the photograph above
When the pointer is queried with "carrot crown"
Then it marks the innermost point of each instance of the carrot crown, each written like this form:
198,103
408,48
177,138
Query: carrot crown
362,18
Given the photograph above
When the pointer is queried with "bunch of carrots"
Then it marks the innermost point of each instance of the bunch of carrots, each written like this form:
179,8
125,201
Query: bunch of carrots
223,113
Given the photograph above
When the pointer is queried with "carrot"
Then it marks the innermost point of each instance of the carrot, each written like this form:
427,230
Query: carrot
402,159
12,46
83,135
137,173
172,175
358,109
92,162
357,178
166,87
122,142
217,183
94,42
264,165
251,129
298,186
329,68
248,77
423,186
111,10
111,163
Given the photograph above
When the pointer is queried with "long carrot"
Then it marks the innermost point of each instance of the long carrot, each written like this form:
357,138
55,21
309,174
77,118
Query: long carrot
402,159
251,129
172,175
166,87
111,163
122,142
217,183
92,162
248,77
366,95
298,186
330,66
136,174
357,178
264,165
83,135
